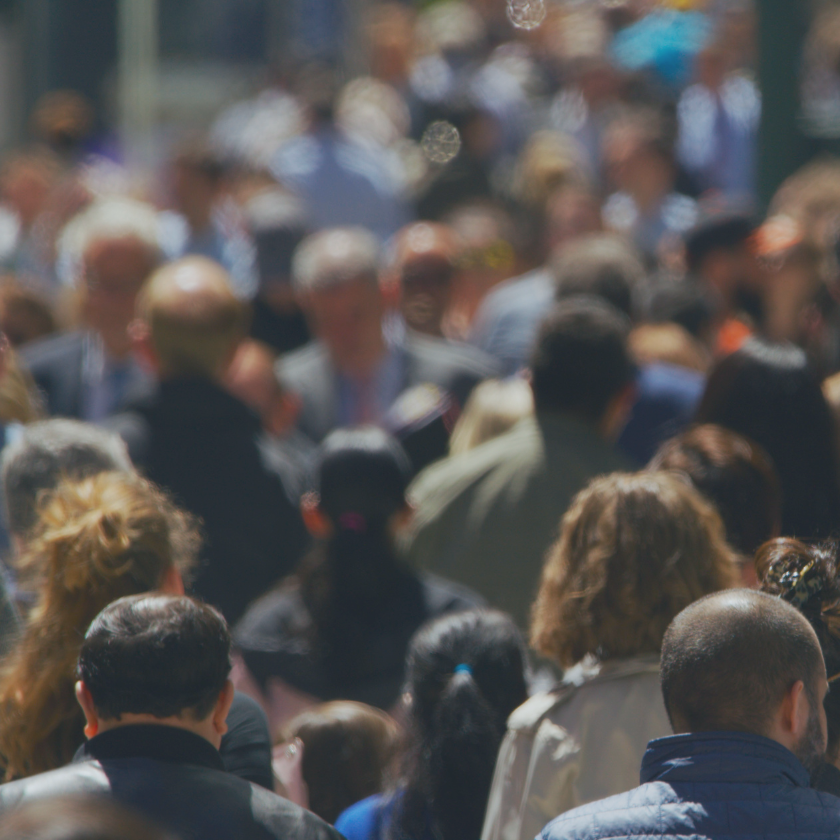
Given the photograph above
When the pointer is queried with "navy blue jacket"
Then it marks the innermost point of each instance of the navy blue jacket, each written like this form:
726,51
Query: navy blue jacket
715,784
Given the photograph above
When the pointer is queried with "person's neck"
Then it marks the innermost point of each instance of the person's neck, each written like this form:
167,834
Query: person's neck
203,728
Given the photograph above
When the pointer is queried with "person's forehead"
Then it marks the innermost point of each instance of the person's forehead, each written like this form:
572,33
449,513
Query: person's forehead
356,288
124,255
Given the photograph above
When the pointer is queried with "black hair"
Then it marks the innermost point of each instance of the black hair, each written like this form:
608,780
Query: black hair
767,393
724,232
465,675
161,655
729,658
580,360
687,303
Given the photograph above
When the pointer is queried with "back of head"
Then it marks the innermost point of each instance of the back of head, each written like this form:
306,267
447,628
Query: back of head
333,257
721,231
634,550
580,361
347,749
767,393
162,655
465,675
733,473
729,659
601,265
195,321
47,452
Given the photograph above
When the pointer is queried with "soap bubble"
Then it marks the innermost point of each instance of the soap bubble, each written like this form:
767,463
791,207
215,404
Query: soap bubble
441,142
526,14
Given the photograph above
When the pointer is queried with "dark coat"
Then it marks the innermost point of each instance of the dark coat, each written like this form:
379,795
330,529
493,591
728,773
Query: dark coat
718,785
309,373
177,779
208,449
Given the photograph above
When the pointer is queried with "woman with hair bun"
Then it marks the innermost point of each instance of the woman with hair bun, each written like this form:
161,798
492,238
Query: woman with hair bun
465,675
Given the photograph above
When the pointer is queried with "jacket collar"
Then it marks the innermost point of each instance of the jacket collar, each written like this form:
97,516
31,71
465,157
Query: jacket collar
721,757
163,743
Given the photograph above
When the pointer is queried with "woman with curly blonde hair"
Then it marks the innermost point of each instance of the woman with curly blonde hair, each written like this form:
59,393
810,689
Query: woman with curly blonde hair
633,551
98,539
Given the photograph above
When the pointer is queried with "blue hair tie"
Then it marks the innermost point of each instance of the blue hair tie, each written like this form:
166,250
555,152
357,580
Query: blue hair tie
463,669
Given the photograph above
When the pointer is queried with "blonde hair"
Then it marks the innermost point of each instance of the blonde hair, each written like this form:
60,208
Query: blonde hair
110,535
492,408
634,550
19,402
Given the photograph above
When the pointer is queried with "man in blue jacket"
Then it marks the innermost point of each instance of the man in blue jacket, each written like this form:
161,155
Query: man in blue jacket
743,681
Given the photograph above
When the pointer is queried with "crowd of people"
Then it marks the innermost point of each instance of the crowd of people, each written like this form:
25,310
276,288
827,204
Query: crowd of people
418,455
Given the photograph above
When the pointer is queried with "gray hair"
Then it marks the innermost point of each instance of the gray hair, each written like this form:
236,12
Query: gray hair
333,257
47,452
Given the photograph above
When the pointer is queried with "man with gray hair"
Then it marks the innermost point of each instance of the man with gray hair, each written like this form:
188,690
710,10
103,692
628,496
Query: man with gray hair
108,250
354,371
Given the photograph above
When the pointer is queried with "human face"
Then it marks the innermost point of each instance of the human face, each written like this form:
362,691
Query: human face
426,292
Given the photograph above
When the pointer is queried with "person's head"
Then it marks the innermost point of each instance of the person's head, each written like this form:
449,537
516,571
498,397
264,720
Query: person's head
767,393
347,749
196,180
78,818
189,321
634,550
465,675
737,476
335,276
601,265
493,407
580,363
97,539
113,247
155,658
46,453
744,661
420,273
571,211
806,576
26,180
24,314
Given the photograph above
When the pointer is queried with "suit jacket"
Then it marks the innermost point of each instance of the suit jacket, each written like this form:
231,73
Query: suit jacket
177,779
208,449
310,373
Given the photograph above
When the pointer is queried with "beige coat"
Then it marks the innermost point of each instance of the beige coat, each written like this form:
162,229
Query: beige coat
581,742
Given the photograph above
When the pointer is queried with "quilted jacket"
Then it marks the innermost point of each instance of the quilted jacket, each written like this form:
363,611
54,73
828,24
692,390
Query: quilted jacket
715,784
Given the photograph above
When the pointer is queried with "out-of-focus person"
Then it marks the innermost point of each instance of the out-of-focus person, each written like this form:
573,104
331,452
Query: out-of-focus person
486,518
24,315
335,755
743,681
193,437
90,373
339,628
465,675
355,370
633,551
768,393
737,477
154,692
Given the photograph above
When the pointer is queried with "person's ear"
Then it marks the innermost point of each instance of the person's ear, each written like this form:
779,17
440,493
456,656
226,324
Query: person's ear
316,521
85,700
141,344
222,707
401,519
794,712
617,412
172,583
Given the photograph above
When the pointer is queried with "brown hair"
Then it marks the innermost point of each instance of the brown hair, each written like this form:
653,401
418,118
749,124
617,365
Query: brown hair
634,550
107,536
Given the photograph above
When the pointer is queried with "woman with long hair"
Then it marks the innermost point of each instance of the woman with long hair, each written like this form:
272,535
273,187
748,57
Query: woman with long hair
465,675
339,628
104,537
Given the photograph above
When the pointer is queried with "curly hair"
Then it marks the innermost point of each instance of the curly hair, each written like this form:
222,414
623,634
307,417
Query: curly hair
633,551
110,535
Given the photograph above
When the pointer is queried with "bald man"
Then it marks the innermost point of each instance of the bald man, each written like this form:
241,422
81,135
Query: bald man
743,680
204,445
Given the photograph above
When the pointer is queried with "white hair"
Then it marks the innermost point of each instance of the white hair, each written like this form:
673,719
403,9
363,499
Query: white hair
333,257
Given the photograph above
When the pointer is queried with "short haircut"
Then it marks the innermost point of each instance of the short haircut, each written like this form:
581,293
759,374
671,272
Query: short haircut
724,232
634,549
733,473
48,452
602,265
580,360
728,659
333,257
162,655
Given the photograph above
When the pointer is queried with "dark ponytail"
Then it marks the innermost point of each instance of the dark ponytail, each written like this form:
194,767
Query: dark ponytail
466,674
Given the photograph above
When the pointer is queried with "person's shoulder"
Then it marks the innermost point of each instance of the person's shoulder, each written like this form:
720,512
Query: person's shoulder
527,291
283,819
450,355
362,820
302,362
76,778
54,348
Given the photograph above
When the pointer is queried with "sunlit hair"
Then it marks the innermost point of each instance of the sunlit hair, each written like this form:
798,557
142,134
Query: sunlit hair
104,537
634,550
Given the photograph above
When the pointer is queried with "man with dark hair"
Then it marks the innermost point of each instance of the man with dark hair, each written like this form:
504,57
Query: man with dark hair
743,680
155,689
485,518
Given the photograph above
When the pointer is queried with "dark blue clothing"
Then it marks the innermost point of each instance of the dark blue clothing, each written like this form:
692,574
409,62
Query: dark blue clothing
371,819
716,784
